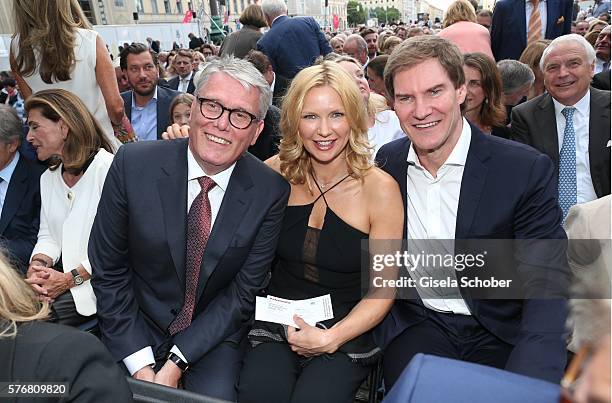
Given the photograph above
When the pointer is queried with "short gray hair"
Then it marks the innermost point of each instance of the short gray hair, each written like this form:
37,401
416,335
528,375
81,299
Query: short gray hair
11,127
515,75
243,72
362,45
273,8
575,38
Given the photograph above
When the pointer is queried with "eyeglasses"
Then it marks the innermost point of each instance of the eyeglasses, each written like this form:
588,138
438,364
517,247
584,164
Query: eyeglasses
238,118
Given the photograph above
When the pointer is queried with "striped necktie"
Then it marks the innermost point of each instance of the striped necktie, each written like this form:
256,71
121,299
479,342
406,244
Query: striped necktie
534,31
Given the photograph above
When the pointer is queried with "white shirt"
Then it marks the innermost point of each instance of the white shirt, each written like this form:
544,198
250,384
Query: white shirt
543,16
144,357
432,208
599,65
6,173
184,83
386,129
272,87
584,183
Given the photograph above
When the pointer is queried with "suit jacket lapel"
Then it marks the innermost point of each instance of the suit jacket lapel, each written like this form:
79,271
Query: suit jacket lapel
14,194
599,134
396,165
235,203
172,187
547,129
472,183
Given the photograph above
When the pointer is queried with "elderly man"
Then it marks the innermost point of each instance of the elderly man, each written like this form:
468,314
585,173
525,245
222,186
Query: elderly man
19,191
356,47
602,51
291,43
457,186
517,79
184,237
570,123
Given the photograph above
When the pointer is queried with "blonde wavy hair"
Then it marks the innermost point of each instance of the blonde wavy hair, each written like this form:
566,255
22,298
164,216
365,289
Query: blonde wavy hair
295,162
47,26
18,301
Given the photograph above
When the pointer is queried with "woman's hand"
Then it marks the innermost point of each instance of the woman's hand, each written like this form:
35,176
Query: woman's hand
310,341
36,276
48,282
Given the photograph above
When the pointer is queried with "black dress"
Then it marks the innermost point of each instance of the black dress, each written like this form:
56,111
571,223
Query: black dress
313,262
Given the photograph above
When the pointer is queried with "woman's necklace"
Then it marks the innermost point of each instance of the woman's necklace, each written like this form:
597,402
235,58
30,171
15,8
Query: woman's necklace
327,185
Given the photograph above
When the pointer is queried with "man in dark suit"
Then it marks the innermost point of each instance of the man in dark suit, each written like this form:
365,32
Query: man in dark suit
510,32
278,83
183,82
147,104
456,185
601,81
570,123
291,43
19,192
177,288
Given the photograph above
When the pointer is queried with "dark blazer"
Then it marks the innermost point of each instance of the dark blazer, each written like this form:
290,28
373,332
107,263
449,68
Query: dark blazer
46,352
164,99
281,84
21,212
137,251
239,43
498,203
509,30
292,44
267,142
601,81
534,123
174,84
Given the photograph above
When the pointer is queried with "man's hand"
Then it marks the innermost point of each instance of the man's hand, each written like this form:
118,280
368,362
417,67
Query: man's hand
145,374
37,277
169,375
176,132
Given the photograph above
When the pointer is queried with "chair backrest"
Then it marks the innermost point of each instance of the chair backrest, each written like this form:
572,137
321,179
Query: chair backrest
147,392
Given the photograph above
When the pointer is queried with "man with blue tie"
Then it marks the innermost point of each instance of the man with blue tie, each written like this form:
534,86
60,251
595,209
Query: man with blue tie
570,123
19,192
518,23
459,184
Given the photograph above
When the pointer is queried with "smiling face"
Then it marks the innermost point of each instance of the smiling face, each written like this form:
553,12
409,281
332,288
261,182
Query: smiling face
602,44
324,128
567,73
429,109
357,73
371,41
46,136
475,93
215,143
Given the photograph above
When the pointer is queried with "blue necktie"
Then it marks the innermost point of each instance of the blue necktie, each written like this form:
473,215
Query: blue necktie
568,193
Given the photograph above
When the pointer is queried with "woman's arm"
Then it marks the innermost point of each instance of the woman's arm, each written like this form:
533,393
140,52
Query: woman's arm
105,76
385,224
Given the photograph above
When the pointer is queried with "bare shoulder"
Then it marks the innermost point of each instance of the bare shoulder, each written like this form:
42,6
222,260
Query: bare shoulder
274,163
379,185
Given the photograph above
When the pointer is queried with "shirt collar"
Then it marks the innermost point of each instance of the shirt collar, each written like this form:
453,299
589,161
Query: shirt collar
181,79
195,171
8,170
459,154
154,98
582,107
274,20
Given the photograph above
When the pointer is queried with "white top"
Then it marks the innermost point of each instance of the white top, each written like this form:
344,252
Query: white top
184,83
599,65
584,182
144,357
66,217
83,81
432,211
386,129
543,16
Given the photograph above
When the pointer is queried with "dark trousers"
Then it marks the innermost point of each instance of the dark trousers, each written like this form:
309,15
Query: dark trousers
272,373
447,335
63,311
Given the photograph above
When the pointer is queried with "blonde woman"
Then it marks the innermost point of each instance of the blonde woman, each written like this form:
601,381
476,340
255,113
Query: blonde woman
325,156
40,352
64,133
73,58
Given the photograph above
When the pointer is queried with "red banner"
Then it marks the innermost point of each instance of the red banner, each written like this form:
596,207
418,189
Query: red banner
188,17
336,21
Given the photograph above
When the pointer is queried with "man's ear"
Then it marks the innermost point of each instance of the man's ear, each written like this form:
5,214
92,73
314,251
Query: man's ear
260,126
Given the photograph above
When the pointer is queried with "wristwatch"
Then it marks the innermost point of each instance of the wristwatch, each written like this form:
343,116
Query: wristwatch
78,279
178,361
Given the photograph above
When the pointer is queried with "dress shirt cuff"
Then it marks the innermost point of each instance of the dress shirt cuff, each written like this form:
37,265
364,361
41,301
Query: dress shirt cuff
139,360
176,351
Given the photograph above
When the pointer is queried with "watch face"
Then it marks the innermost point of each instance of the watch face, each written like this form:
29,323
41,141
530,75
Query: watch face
78,280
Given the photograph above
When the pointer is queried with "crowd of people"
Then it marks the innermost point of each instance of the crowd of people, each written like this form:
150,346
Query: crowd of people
162,192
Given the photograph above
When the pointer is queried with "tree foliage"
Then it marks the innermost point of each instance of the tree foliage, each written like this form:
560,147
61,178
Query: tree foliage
391,14
355,13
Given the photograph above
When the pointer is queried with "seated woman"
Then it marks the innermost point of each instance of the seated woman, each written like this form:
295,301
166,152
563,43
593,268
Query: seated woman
483,103
33,350
63,132
325,156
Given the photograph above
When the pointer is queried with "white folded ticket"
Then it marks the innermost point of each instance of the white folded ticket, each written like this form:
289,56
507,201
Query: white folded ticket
281,311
